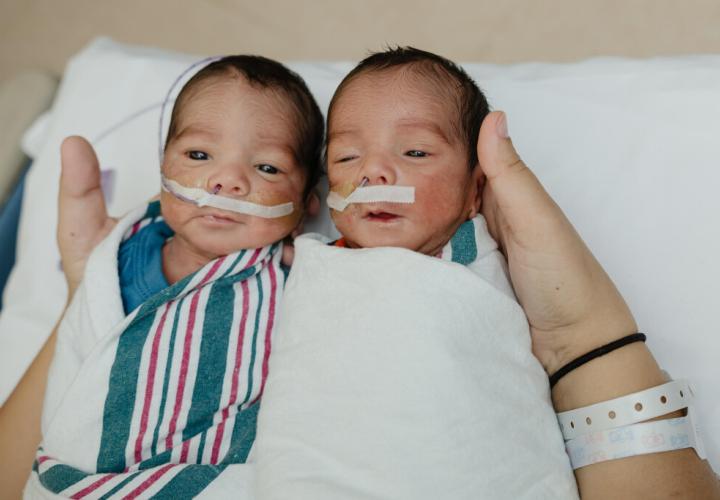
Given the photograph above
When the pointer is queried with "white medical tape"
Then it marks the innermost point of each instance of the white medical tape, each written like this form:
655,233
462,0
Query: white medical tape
372,194
636,439
202,198
629,409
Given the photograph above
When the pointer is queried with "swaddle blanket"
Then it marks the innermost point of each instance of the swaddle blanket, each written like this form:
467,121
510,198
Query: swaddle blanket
162,402
396,375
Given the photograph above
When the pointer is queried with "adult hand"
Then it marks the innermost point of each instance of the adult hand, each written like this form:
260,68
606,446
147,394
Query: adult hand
82,217
82,223
570,302
573,307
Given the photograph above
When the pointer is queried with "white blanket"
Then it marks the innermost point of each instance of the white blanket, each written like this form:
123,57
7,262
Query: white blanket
401,376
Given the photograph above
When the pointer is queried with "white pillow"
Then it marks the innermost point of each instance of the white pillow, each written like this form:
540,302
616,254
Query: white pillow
628,148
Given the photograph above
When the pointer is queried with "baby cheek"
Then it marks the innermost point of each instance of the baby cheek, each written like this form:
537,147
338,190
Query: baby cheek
174,211
187,177
270,198
441,200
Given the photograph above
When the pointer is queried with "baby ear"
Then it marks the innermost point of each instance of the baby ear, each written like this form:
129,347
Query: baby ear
478,182
312,203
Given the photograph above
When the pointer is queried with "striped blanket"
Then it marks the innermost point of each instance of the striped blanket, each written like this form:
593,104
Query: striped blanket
162,402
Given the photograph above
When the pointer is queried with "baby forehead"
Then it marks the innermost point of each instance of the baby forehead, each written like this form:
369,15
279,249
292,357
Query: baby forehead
407,98
215,93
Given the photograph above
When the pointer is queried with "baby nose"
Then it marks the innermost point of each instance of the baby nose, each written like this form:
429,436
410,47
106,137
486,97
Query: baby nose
378,170
229,182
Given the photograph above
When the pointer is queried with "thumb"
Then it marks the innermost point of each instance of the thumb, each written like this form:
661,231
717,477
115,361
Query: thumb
82,216
516,196
496,153
80,170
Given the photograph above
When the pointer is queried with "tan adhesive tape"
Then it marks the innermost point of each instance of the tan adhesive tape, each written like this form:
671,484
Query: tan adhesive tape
202,198
372,194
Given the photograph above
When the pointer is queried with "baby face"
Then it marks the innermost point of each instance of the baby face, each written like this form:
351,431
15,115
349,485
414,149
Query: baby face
236,141
392,129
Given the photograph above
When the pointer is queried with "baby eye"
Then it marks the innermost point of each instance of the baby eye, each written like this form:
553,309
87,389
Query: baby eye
198,155
414,153
345,159
267,169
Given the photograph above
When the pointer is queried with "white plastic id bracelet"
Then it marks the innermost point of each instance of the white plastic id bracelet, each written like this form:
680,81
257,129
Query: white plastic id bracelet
637,439
625,410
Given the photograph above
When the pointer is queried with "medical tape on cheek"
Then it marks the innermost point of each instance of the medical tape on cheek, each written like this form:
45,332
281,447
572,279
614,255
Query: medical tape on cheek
372,194
202,198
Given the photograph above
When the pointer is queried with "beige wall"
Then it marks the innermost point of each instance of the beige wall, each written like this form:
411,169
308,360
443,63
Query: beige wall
44,33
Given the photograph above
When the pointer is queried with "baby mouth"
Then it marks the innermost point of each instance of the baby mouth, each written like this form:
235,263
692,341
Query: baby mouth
381,216
218,218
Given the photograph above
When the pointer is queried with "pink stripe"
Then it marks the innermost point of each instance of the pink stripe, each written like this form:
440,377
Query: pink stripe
270,324
186,354
135,228
41,460
94,486
150,384
148,482
236,369
184,451
218,437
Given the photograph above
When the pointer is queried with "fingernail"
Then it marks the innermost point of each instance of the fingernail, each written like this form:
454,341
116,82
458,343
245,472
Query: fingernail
502,127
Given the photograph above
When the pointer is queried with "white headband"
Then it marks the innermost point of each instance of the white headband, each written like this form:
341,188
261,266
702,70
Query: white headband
202,198
372,194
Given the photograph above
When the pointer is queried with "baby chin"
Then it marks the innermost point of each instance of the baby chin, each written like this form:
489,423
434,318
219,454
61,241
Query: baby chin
216,235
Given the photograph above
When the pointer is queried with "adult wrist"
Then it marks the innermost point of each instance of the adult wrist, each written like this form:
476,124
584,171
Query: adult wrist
569,343
623,371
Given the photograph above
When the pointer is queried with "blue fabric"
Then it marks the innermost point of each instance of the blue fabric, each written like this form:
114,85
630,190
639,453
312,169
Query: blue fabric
140,265
9,217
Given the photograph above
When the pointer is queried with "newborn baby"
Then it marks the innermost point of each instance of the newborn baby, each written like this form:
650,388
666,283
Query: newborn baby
163,354
403,366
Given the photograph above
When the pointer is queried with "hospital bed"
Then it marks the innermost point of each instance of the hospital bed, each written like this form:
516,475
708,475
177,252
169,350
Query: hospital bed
628,147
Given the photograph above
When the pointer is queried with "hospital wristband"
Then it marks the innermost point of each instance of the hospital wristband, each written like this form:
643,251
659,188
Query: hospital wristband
625,410
636,439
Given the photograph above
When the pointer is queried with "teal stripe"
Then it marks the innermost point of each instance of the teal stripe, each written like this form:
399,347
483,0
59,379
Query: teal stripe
253,351
464,247
153,210
285,272
166,377
237,261
155,460
243,435
151,305
120,399
201,446
60,477
216,329
119,486
189,482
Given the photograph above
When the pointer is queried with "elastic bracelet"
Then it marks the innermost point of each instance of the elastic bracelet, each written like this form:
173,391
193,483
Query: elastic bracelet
595,353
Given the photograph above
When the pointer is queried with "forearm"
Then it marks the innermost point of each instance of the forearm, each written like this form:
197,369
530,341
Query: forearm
20,423
674,474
